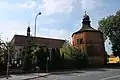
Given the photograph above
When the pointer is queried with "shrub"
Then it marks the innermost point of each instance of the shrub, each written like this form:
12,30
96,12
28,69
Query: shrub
73,56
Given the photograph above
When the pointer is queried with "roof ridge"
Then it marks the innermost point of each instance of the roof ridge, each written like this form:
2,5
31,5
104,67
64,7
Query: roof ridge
39,37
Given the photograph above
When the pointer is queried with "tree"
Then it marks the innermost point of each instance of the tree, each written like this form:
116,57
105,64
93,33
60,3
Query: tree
47,52
53,59
4,49
4,54
42,53
110,26
67,50
27,54
58,53
73,57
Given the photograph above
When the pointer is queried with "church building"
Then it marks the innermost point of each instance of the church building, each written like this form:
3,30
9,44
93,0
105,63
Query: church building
18,43
90,41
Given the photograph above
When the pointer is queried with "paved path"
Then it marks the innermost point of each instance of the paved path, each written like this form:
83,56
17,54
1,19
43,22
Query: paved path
99,74
25,76
94,74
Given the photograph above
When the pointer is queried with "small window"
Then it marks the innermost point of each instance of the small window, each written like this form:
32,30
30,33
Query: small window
78,41
81,41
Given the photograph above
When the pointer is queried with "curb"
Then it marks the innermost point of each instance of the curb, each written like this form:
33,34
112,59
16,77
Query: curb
36,77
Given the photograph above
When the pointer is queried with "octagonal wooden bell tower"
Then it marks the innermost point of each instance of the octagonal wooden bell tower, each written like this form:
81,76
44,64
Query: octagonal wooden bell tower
90,41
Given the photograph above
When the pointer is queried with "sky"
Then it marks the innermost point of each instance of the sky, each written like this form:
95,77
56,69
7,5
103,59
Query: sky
59,18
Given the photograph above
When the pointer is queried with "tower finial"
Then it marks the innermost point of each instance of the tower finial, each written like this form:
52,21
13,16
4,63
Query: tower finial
28,23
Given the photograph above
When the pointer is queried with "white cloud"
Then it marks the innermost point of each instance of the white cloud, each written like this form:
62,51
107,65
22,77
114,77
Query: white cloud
91,4
55,33
28,4
57,6
47,7
9,28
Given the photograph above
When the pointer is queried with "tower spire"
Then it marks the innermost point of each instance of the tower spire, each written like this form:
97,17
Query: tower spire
85,22
28,23
28,29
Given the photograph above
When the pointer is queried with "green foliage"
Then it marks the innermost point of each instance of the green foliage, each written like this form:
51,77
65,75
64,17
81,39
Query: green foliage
110,26
67,50
70,52
4,50
53,53
4,54
28,48
27,54
55,58
47,52
42,53
57,53
72,57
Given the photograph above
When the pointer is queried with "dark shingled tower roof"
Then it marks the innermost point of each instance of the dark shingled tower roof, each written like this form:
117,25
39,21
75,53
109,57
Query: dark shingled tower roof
86,25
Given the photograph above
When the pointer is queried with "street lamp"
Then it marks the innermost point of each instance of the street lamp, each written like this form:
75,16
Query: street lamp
35,22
